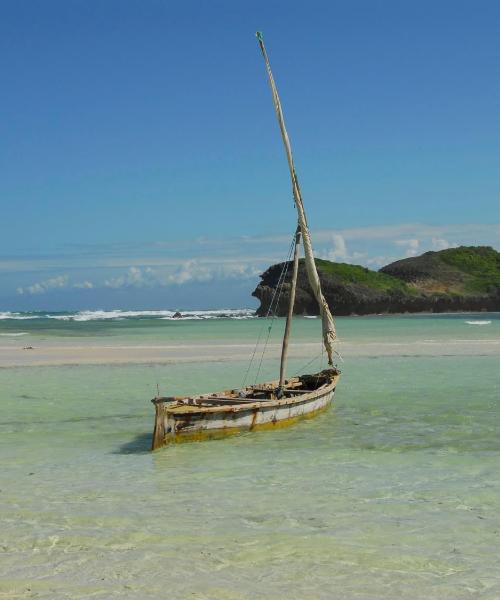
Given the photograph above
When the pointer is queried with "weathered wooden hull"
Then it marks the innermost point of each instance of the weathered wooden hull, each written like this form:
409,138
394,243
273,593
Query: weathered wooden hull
189,422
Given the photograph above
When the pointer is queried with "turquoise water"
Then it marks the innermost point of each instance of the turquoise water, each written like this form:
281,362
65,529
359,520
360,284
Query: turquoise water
393,493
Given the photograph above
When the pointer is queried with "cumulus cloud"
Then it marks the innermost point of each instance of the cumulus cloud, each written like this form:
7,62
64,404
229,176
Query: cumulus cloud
467,234
188,271
414,246
181,262
84,285
374,247
195,271
411,246
441,244
134,277
263,250
338,252
61,281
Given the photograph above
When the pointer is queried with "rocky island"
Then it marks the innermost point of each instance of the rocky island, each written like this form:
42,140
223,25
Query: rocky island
466,278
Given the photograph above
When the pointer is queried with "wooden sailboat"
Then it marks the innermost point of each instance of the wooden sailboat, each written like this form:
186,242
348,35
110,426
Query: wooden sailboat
266,405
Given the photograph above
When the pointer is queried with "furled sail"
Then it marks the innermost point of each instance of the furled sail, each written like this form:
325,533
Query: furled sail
328,325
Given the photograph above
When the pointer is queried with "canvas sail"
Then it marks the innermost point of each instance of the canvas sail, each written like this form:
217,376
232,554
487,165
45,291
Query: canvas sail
328,325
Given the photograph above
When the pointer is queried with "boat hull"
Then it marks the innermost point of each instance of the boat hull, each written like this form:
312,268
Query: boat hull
192,423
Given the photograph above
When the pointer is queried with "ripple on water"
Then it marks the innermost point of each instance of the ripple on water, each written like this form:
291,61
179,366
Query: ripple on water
393,493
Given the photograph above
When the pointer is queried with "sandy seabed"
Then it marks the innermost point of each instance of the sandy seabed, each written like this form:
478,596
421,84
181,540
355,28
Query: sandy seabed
46,353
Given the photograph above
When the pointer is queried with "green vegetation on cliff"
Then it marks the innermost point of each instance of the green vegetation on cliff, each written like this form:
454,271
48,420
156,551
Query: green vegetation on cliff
480,263
468,270
361,275
466,278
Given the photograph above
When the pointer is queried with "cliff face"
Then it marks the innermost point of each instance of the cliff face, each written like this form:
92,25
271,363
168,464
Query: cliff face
457,279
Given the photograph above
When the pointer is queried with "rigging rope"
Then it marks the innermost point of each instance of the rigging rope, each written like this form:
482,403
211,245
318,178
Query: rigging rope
322,363
301,369
272,307
274,313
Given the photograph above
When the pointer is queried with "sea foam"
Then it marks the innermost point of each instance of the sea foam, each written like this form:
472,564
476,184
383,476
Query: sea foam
97,315
16,316
15,334
94,315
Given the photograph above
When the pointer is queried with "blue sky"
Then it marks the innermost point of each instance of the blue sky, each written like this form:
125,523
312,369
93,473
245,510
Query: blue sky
141,165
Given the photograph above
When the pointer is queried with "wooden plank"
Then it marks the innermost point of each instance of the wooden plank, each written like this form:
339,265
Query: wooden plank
221,400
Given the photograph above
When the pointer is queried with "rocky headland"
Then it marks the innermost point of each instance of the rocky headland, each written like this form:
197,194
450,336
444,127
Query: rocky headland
466,278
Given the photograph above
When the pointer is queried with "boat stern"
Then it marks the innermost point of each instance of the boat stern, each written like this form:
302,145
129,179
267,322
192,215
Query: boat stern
161,404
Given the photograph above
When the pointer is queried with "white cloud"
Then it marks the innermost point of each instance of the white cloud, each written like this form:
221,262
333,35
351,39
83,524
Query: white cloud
61,281
414,246
411,246
374,246
134,277
441,244
84,285
189,271
338,252
194,271
180,262
365,242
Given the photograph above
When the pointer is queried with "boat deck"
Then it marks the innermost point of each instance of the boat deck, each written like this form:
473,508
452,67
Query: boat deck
296,390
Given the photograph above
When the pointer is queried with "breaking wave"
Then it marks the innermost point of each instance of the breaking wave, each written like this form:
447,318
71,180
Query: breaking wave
17,316
478,322
100,315
212,314
15,334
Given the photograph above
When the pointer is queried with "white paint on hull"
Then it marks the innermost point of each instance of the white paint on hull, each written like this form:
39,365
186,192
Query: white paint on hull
231,411
245,418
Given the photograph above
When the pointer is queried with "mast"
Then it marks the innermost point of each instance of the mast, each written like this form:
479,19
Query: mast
286,337
328,325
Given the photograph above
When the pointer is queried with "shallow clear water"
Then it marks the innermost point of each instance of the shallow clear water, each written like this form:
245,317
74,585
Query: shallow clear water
392,493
